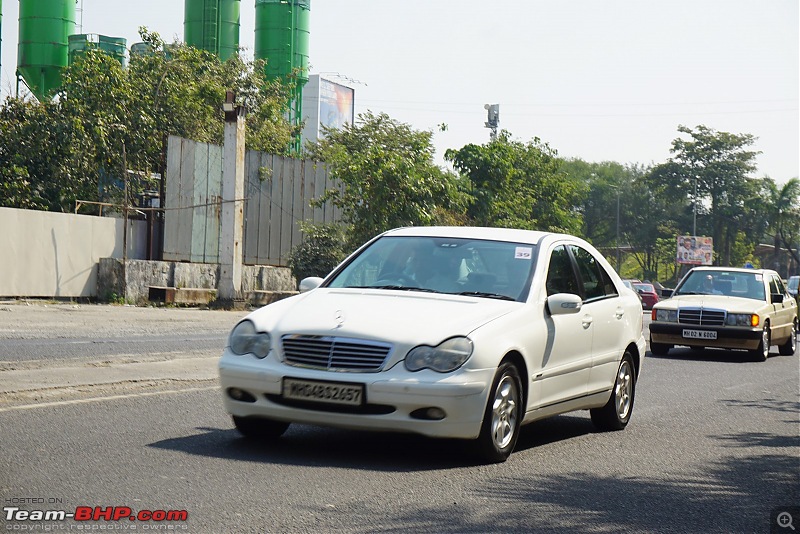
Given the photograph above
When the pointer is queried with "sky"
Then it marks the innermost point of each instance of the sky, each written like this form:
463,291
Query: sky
599,80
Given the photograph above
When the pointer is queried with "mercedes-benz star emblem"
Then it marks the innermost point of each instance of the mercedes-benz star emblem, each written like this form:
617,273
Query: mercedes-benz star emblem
338,318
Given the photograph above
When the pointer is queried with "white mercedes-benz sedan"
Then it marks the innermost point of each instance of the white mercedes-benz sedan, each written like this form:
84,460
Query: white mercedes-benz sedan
450,332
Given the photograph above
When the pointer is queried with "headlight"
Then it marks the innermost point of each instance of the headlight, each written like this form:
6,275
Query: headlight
667,315
443,358
244,339
742,319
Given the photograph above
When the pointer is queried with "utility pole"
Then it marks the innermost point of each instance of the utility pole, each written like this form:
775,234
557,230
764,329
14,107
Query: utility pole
229,291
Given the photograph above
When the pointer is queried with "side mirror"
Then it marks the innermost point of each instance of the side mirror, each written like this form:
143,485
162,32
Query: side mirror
564,303
777,298
307,284
667,292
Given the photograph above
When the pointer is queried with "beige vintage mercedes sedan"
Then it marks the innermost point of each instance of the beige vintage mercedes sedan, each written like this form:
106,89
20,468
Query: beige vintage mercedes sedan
449,332
728,308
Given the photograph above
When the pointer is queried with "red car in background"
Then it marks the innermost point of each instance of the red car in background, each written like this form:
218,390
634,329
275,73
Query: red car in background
648,293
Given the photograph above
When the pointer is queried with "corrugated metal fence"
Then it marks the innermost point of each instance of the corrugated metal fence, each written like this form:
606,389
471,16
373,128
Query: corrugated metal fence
277,191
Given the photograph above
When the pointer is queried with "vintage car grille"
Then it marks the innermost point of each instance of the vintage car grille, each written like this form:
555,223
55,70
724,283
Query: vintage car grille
335,353
701,316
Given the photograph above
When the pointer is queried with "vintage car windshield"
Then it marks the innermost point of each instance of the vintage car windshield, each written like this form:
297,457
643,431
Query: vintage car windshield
732,284
484,268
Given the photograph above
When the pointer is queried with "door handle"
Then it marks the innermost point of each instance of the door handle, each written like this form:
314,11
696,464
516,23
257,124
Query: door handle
586,321
619,313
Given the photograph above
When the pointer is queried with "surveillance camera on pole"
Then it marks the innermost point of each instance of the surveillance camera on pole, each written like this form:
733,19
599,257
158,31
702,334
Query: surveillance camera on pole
493,119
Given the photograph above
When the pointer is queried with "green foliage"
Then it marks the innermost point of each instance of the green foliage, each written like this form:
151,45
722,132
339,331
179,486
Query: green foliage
517,185
107,118
322,249
387,177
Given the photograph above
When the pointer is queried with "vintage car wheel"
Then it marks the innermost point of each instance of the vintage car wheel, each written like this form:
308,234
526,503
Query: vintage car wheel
617,411
256,427
501,420
788,348
659,349
761,353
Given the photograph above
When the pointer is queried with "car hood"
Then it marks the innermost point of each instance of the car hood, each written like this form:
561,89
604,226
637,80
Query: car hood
393,316
723,302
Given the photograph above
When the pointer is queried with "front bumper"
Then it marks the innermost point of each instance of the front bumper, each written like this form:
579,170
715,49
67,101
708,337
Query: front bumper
394,398
727,337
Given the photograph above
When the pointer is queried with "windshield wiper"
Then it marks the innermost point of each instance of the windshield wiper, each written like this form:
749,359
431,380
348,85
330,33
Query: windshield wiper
486,295
396,287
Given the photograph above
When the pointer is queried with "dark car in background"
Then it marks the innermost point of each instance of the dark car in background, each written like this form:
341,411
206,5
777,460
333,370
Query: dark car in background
648,294
792,285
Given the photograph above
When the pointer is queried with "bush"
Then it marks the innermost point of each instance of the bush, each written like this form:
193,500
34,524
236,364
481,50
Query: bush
321,250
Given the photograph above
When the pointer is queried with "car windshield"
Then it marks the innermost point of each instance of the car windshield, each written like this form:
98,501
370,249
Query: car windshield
645,287
732,284
794,281
483,268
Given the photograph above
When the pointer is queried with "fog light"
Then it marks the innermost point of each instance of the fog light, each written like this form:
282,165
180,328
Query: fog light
240,395
430,414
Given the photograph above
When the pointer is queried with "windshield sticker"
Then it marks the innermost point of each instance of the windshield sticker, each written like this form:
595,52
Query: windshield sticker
523,253
759,278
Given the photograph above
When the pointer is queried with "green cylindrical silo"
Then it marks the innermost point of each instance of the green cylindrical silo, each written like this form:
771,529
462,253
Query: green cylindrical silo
43,51
113,46
282,36
212,25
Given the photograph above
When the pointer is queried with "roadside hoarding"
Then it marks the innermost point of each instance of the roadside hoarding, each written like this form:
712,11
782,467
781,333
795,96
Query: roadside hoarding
695,250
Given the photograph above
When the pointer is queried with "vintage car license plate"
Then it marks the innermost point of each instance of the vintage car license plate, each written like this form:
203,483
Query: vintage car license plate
318,391
700,334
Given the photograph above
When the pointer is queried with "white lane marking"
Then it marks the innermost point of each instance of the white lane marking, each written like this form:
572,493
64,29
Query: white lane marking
99,399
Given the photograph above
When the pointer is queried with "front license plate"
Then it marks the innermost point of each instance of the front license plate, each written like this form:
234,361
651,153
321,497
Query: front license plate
700,334
318,391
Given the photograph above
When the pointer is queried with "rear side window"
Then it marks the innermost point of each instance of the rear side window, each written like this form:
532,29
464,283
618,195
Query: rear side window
596,281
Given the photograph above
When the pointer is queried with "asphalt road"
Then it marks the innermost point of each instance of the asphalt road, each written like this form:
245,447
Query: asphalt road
713,445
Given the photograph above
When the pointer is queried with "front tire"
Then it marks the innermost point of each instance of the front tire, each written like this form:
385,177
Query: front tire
502,417
761,353
789,348
659,349
259,428
617,411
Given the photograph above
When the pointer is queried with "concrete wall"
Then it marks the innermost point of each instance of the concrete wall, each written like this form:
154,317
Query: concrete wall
134,282
46,254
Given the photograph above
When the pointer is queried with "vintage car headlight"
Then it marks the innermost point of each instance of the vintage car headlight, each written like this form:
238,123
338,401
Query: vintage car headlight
245,339
667,315
447,356
742,319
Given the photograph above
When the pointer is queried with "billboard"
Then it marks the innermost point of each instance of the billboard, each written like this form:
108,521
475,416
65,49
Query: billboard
336,104
695,250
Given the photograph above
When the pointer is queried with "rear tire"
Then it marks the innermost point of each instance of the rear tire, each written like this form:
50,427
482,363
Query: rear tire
502,417
789,348
259,428
761,353
617,411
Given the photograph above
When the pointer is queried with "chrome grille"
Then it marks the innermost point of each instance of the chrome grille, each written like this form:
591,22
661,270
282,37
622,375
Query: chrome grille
701,316
335,353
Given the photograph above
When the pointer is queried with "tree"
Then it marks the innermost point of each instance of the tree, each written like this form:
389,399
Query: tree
387,176
107,118
517,185
783,215
718,165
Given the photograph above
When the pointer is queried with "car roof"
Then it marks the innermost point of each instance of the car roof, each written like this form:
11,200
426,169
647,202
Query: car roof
476,232
715,269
